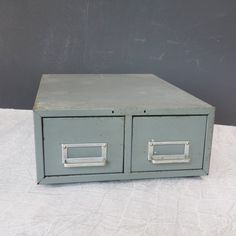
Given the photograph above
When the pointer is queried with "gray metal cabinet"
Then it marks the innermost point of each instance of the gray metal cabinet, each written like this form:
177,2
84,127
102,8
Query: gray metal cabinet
116,127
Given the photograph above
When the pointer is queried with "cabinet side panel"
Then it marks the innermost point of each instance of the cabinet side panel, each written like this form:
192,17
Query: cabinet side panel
38,135
208,140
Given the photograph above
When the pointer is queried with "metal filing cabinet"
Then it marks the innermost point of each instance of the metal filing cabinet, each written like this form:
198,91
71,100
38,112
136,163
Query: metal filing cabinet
116,127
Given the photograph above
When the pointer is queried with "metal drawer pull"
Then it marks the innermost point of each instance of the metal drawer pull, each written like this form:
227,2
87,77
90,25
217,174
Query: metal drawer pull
168,159
84,161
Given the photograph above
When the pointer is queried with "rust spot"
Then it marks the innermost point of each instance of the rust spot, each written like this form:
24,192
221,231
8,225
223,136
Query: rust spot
38,106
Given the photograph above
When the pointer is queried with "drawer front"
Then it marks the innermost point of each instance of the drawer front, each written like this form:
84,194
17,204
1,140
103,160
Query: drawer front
168,143
83,145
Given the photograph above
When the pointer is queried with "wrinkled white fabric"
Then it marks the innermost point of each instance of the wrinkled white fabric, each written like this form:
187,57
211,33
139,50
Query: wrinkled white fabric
177,206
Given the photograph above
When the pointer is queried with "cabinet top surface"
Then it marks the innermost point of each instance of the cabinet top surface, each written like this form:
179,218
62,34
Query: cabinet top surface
111,91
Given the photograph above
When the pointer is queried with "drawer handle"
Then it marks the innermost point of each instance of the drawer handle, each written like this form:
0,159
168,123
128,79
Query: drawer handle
168,159
84,161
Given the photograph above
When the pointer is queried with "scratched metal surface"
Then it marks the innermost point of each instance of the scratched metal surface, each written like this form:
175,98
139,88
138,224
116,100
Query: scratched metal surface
66,92
185,206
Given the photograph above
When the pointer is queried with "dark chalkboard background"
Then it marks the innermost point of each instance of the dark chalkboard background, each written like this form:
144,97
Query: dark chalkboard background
189,43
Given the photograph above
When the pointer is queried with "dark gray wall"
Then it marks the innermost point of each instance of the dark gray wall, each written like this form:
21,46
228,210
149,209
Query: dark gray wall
189,43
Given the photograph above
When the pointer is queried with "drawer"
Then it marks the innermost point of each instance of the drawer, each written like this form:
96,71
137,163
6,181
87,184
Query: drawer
168,142
83,145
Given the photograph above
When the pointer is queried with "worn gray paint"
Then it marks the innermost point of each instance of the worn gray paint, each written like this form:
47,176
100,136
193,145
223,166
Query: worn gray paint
168,128
59,131
179,111
189,43
39,147
123,176
123,91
